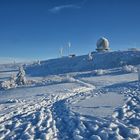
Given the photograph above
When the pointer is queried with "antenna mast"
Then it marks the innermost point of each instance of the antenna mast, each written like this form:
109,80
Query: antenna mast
61,52
69,46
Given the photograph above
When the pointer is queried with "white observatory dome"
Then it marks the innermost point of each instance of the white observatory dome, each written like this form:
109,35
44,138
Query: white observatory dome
102,44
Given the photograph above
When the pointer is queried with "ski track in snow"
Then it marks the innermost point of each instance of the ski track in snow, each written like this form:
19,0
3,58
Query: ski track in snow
50,117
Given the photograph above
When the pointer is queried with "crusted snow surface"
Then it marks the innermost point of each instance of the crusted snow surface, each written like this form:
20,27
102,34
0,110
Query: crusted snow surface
72,106
101,60
72,111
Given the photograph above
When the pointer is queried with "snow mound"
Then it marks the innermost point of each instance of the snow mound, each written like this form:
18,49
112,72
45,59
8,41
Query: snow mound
99,72
129,68
8,84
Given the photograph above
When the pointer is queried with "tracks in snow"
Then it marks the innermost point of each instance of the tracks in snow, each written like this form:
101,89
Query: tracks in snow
123,124
30,121
35,119
50,118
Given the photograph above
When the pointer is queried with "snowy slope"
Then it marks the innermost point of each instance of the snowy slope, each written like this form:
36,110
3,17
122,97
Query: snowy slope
82,63
78,105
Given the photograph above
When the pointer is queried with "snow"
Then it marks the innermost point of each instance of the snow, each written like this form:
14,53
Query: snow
102,60
99,72
100,106
129,68
139,73
73,103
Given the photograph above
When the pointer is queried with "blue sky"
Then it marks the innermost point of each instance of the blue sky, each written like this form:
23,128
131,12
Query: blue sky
36,29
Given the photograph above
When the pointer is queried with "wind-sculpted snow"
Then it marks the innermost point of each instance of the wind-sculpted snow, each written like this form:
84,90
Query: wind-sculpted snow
71,106
123,124
105,60
50,117
32,120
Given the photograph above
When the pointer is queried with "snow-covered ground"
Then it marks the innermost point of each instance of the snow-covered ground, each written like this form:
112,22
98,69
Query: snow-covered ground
75,104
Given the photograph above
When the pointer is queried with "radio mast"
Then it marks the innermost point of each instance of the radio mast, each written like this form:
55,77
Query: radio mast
61,52
69,46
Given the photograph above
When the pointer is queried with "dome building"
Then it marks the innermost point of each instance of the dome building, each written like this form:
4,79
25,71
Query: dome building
102,45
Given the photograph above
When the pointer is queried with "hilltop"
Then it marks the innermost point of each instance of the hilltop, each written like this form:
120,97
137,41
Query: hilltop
101,60
73,98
